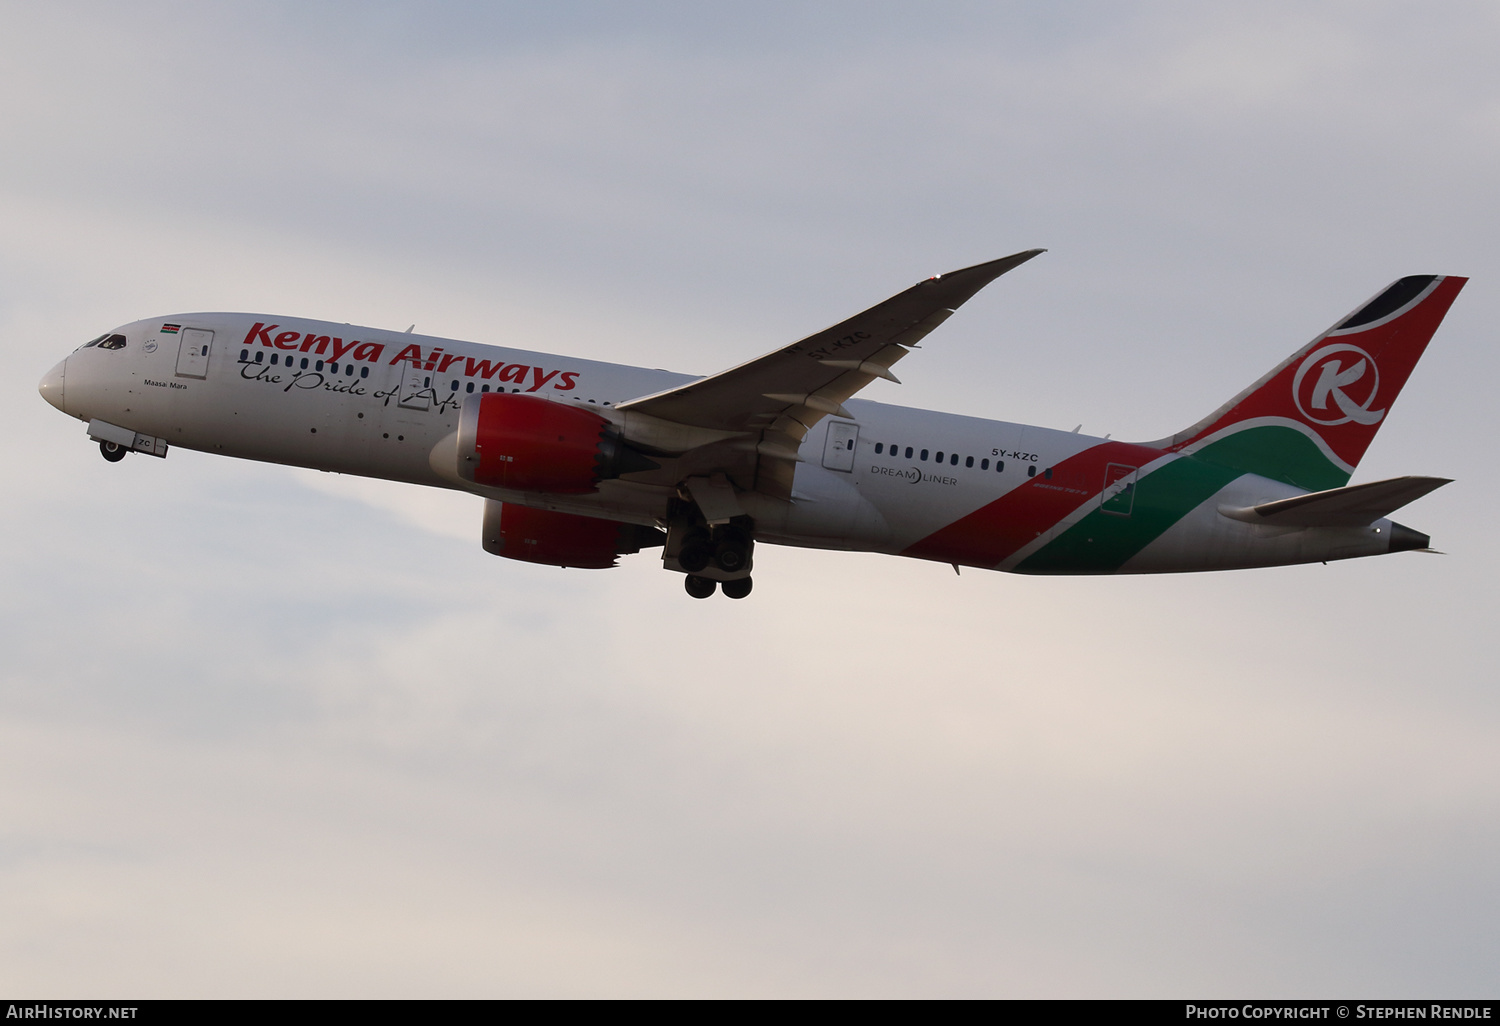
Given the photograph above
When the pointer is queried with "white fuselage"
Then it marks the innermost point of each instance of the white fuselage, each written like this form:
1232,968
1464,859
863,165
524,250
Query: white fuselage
341,398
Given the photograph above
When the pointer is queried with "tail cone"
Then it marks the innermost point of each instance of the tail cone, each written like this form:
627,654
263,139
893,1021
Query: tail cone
1404,539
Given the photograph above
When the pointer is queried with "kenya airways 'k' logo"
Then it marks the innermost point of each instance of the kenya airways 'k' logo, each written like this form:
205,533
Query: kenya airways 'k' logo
1337,384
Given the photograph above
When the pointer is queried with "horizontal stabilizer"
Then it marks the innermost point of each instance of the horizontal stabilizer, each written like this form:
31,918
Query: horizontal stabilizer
1354,506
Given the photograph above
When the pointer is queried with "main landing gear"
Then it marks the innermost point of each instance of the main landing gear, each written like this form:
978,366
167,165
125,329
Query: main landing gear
113,451
703,587
715,557
737,588
727,547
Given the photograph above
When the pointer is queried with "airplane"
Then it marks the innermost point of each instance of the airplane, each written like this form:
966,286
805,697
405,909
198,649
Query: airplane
580,462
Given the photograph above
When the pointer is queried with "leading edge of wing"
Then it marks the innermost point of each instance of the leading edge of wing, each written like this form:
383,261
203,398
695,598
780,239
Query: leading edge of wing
819,372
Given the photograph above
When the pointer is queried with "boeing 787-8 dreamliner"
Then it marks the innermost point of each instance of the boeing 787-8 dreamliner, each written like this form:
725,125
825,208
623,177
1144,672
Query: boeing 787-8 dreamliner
580,462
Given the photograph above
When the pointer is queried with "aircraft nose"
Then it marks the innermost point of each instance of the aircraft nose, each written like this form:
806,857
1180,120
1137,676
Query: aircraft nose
51,385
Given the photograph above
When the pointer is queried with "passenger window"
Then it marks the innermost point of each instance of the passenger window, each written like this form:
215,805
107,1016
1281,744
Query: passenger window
924,455
984,464
244,355
455,386
1031,470
469,387
304,363
484,388
333,367
953,460
364,372
968,461
877,448
1047,473
318,366
999,466
349,370
939,456
273,359
259,355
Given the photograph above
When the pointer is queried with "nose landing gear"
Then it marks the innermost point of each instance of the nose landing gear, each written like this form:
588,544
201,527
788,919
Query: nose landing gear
112,451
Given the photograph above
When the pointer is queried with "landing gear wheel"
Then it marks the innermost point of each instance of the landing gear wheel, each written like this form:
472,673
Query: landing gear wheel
113,451
694,557
737,588
730,557
699,587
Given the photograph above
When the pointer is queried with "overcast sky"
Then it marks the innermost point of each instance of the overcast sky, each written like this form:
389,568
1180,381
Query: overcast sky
268,732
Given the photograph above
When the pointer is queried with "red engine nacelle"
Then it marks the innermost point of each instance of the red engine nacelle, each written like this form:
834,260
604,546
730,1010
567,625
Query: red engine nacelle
528,444
561,539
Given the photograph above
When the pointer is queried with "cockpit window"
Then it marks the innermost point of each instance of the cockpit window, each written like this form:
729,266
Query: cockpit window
94,342
113,342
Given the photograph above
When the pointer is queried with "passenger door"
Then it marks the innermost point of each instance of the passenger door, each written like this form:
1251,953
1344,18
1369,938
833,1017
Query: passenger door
838,450
416,386
1118,496
192,353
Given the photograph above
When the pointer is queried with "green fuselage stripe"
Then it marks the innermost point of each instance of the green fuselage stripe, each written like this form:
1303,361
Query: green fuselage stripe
1102,542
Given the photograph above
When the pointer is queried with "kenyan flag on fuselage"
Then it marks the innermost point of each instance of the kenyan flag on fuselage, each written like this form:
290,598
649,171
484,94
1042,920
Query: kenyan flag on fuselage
1306,424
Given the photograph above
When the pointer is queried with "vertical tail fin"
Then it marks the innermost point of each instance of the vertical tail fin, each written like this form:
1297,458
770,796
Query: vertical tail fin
1310,420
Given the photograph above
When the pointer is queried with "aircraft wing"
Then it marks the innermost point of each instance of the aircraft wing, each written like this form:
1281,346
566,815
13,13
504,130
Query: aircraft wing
758,413
787,391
